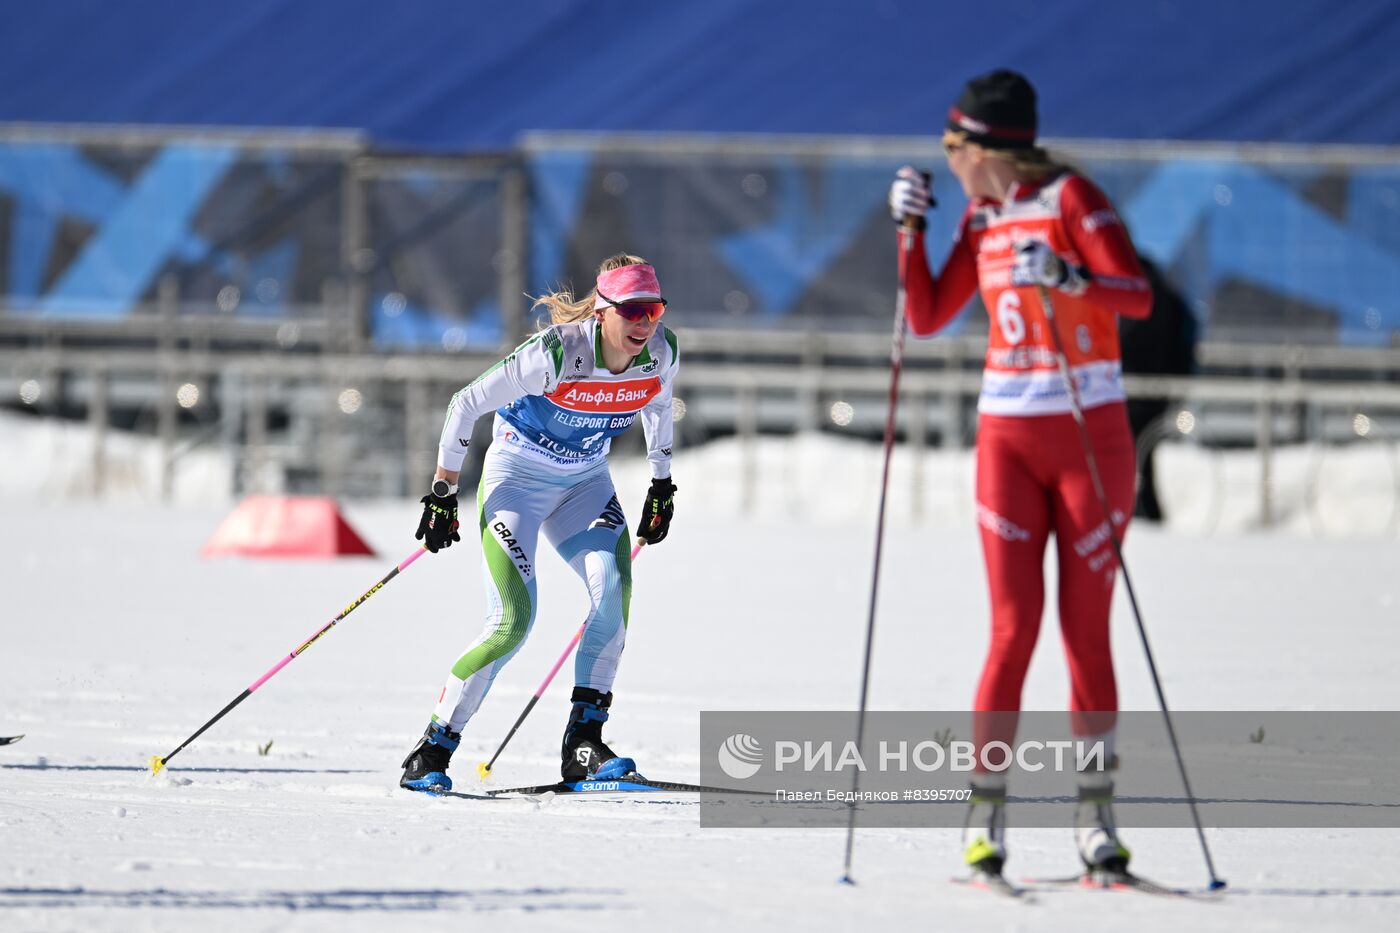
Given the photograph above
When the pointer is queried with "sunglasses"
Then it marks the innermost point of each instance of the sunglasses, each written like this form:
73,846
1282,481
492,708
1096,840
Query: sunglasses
636,310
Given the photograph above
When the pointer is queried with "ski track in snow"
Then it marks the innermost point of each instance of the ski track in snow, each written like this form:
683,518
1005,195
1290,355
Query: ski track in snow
119,642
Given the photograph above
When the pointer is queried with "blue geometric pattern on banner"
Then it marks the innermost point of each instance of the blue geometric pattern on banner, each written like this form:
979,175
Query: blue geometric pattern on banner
1261,231
1164,213
778,260
47,182
558,181
1298,250
1320,243
118,263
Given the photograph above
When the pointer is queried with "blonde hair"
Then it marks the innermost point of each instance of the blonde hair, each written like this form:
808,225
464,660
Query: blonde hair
564,307
1030,164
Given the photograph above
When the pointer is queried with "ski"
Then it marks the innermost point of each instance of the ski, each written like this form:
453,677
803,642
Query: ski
996,884
439,792
1118,881
10,739
632,783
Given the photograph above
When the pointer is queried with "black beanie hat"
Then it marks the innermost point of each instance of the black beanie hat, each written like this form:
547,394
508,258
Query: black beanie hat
997,111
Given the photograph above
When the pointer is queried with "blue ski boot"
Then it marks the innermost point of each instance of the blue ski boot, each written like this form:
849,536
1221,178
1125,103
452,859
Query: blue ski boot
585,755
425,768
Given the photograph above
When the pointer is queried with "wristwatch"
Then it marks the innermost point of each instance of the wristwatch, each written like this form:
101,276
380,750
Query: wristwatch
442,488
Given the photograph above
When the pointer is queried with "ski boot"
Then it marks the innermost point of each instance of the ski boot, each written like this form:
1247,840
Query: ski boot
1095,832
425,768
984,831
585,755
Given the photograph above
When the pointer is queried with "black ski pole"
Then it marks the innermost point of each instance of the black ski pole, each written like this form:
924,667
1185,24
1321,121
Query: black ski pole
910,224
1077,411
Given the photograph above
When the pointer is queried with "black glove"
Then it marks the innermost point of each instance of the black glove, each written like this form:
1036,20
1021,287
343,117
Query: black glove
437,528
657,509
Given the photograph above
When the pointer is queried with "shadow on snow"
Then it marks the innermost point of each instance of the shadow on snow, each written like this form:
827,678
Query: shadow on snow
349,899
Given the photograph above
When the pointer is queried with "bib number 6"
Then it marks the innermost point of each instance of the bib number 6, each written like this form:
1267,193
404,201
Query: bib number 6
1009,319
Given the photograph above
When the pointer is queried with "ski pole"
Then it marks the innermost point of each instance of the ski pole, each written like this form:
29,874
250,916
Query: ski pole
157,763
1077,411
906,244
484,768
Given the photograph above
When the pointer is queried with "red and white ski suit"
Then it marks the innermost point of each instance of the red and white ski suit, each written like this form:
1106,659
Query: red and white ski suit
1032,476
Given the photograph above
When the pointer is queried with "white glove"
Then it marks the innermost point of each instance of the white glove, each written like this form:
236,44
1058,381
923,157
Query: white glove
1038,264
909,195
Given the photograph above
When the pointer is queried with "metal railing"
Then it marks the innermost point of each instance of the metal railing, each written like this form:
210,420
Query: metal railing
363,424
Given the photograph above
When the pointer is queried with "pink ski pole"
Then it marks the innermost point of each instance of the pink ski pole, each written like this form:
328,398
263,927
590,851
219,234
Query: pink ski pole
484,769
157,762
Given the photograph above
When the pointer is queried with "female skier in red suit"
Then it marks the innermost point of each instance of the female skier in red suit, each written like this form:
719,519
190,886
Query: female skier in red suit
1032,223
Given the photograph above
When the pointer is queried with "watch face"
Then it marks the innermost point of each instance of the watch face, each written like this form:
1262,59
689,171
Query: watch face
441,488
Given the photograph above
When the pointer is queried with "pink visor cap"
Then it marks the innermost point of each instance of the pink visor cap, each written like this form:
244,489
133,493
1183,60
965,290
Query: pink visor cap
629,283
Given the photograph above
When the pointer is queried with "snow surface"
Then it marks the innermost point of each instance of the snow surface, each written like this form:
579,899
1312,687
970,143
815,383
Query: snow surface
118,641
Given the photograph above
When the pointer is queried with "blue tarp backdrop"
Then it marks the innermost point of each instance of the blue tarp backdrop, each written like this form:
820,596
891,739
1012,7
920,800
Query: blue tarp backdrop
453,74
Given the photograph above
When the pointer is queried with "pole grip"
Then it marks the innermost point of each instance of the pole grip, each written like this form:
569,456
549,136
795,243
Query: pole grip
918,221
